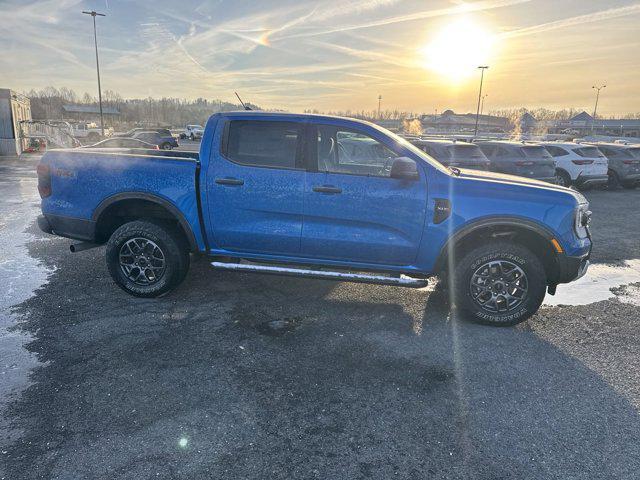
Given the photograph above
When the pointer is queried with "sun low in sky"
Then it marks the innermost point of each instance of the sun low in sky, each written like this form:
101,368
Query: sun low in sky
458,48
333,55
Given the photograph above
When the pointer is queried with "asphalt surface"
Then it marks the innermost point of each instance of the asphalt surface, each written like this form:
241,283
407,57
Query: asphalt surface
246,376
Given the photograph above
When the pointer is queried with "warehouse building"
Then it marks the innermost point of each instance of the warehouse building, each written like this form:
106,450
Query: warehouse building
14,108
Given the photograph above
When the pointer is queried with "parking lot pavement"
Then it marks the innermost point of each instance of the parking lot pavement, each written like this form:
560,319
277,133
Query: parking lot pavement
189,145
246,376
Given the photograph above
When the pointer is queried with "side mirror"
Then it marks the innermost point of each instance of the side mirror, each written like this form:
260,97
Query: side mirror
404,168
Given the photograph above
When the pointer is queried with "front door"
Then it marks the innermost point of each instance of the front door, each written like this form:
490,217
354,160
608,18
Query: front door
354,211
255,187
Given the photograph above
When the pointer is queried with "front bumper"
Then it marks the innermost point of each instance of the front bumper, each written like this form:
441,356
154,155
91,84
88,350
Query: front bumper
570,267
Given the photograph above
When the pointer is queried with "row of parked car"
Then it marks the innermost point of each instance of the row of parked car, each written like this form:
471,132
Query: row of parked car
151,139
583,165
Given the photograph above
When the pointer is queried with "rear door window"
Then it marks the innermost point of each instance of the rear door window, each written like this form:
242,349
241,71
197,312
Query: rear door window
556,151
263,143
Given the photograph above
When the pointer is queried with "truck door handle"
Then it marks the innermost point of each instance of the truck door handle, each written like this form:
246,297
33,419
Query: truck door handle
327,189
229,181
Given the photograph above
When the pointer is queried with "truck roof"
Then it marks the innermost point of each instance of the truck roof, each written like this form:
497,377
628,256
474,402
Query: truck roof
315,116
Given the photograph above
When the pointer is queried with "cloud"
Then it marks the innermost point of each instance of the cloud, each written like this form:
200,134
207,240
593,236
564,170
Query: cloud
577,20
457,9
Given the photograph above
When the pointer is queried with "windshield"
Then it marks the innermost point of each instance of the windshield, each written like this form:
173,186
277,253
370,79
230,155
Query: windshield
635,152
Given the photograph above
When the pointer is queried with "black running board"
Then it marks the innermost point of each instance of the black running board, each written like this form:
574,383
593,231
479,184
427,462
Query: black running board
401,281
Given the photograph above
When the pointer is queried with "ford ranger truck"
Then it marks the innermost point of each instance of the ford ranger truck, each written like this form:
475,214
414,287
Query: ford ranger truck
321,197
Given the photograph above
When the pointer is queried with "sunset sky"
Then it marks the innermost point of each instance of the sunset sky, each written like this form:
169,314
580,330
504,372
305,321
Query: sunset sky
333,54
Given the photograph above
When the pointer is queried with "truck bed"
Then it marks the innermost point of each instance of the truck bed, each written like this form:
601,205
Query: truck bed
86,181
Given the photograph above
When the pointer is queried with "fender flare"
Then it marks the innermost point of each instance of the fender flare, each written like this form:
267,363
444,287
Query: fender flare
476,225
184,224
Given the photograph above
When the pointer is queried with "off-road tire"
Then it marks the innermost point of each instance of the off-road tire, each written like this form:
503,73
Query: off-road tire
173,248
518,255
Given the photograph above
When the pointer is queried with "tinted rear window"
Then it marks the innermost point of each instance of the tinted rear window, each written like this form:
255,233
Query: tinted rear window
263,144
588,152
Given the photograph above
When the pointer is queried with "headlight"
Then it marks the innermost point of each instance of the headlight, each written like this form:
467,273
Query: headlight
582,220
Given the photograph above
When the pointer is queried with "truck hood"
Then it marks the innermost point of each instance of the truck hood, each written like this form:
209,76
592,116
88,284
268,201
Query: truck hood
513,180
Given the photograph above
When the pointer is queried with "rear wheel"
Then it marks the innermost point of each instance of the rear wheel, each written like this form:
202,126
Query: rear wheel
166,146
614,180
147,258
563,179
499,284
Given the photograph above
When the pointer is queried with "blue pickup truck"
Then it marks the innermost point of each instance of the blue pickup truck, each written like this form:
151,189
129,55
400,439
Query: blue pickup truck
321,197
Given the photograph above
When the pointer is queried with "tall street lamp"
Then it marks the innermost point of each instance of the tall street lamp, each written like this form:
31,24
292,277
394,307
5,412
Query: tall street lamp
379,100
595,109
482,103
95,14
482,69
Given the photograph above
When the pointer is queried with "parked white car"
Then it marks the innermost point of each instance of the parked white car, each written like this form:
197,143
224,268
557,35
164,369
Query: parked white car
193,132
583,166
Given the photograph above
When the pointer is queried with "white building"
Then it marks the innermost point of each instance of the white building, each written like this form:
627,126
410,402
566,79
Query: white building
14,108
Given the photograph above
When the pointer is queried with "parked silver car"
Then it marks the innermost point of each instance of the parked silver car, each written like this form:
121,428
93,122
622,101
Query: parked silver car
519,158
453,153
624,164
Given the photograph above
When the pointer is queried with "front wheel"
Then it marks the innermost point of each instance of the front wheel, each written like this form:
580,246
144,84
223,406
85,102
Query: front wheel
499,284
147,258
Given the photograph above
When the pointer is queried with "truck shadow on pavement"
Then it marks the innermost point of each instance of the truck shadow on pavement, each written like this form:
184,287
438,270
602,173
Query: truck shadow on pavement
246,376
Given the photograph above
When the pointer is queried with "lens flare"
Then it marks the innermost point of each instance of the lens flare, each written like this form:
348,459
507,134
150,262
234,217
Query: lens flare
458,49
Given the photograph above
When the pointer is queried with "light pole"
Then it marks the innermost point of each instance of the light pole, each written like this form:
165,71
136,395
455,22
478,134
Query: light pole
95,14
595,109
482,69
482,103
379,100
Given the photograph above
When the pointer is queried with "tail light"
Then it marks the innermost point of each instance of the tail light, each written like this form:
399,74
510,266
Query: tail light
522,163
156,147
44,180
631,162
582,162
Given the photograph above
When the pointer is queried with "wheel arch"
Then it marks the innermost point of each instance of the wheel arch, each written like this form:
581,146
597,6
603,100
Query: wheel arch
532,235
115,210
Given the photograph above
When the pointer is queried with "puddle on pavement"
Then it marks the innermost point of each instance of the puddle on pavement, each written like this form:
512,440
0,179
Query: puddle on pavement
601,282
20,276
276,328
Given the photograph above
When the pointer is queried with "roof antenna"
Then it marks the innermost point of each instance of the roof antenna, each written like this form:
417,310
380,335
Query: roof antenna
243,105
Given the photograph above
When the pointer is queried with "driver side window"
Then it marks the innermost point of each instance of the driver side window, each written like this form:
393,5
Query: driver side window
352,152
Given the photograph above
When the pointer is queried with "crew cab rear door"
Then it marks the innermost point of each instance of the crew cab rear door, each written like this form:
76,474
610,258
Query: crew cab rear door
354,211
255,186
